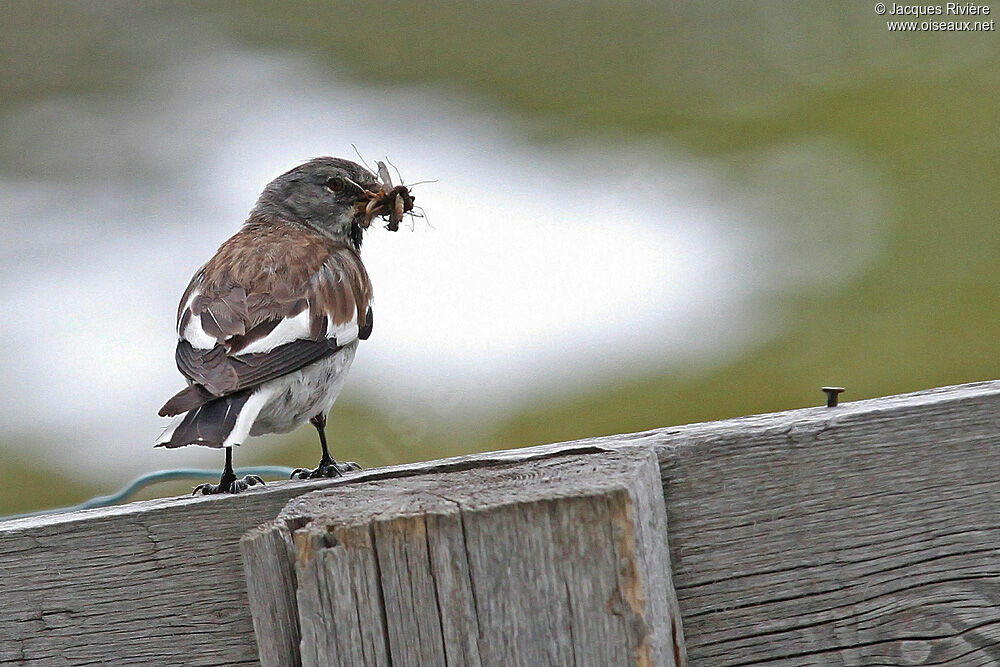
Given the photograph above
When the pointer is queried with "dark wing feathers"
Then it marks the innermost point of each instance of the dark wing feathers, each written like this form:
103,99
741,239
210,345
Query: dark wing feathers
262,277
254,334
186,399
215,373
255,369
222,314
212,369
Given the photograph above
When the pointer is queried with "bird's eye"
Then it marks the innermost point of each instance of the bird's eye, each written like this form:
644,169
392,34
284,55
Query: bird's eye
335,184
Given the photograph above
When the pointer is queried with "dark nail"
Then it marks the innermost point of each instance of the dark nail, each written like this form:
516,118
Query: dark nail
831,395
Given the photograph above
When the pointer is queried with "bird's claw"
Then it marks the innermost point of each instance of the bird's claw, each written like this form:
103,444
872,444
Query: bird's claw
248,481
326,469
233,486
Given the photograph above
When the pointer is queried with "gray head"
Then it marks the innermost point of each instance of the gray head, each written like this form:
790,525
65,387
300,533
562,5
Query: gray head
322,194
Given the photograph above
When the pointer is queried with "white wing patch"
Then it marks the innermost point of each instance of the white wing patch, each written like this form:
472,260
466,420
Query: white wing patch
194,334
288,329
344,333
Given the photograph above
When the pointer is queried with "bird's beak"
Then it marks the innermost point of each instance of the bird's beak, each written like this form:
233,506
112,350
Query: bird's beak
368,203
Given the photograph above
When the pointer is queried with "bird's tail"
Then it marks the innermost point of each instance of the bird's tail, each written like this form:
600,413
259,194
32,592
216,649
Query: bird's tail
221,422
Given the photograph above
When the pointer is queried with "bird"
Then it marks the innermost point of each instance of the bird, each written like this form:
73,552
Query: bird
267,329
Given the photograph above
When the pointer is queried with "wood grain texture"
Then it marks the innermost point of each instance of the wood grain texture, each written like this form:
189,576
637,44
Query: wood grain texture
158,582
559,561
860,535
866,534
153,582
271,584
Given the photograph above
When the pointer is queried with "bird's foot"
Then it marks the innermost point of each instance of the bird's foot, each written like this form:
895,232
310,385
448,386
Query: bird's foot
326,469
233,485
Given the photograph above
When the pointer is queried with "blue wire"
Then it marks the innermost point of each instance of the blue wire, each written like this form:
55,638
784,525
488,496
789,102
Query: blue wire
149,478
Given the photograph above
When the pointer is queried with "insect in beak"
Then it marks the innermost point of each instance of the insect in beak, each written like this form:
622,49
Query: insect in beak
391,200
383,173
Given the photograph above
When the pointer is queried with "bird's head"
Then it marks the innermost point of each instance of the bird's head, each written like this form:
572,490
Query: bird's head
326,194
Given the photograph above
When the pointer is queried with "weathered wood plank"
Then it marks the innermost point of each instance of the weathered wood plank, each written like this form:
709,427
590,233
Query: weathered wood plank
341,585
156,581
271,583
557,561
863,534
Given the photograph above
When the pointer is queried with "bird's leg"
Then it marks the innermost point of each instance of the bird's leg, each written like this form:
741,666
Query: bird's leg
328,467
228,483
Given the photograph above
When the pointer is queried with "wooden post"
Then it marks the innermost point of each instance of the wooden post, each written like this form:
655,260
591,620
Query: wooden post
559,561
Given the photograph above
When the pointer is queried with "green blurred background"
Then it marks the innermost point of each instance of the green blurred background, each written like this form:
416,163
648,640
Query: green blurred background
732,84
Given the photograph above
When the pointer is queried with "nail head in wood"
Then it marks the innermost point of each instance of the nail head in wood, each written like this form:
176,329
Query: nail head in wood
832,395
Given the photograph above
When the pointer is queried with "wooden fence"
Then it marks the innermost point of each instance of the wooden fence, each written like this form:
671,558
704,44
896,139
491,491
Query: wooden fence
863,534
